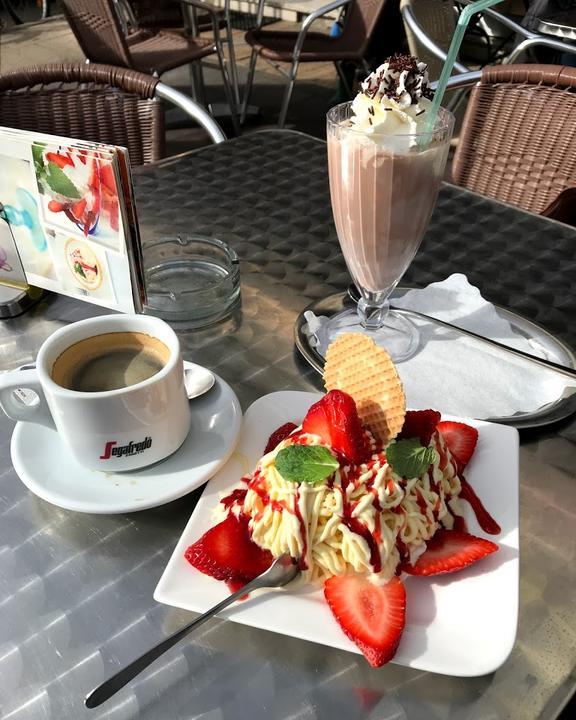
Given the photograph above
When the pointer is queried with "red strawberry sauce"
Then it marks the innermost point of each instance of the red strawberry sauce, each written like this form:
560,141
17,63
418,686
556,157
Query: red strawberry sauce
352,477
485,520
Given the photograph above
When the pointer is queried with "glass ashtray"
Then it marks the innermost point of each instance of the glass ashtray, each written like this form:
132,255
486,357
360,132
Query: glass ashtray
191,278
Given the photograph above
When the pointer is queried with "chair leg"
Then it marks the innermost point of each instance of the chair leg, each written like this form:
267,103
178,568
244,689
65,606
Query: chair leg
343,78
232,56
197,85
287,95
228,90
248,85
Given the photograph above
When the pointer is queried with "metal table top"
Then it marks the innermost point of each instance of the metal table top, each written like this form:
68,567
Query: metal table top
76,590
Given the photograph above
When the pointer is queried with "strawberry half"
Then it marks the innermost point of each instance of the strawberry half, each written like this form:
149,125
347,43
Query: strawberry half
226,552
278,435
335,419
420,424
372,616
449,551
461,440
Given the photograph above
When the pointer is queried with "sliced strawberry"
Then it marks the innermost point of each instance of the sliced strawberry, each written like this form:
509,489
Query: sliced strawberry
335,419
60,160
107,177
278,435
372,616
55,206
114,213
461,440
78,208
449,551
420,424
226,552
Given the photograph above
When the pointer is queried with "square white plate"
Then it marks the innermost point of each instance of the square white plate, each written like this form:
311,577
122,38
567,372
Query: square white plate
462,624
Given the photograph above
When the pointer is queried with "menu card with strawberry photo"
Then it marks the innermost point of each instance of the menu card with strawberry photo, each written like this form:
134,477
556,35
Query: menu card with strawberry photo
68,220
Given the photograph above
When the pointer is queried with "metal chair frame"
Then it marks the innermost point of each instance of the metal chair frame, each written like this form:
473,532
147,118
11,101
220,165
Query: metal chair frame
531,39
191,108
292,72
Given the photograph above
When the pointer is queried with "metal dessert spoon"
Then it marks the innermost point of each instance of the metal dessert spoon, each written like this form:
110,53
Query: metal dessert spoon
197,379
282,571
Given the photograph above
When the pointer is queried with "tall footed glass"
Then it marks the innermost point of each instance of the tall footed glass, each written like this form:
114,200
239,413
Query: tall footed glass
383,188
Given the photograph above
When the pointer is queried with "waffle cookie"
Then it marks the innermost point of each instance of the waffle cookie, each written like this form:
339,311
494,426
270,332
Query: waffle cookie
359,367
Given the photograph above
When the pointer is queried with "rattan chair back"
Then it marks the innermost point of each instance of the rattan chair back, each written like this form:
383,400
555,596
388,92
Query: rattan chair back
360,23
97,29
519,134
438,20
98,103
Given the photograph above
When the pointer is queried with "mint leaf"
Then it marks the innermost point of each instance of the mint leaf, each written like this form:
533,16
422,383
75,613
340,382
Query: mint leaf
409,459
78,268
37,155
60,183
306,463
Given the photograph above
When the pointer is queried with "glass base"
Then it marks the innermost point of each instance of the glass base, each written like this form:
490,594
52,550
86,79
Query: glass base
398,336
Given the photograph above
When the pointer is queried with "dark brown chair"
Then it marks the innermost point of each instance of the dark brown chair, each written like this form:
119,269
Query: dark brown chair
518,136
98,30
97,103
304,46
168,15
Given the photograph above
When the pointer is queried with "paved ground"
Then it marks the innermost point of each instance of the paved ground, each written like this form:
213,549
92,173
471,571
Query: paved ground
52,41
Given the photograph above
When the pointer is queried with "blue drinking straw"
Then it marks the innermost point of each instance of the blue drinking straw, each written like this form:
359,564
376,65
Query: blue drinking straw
457,38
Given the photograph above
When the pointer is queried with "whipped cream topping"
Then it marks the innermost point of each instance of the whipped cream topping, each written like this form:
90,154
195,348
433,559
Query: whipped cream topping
394,98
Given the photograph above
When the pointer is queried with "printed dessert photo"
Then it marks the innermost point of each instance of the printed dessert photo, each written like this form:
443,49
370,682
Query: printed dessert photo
11,270
79,193
82,268
21,211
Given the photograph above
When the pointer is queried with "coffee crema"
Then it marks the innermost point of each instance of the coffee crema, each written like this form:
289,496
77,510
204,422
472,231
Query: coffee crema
109,362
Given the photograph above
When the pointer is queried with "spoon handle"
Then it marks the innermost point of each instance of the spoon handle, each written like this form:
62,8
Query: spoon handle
111,686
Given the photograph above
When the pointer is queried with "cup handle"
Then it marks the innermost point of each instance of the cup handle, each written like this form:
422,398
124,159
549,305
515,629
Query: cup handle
18,410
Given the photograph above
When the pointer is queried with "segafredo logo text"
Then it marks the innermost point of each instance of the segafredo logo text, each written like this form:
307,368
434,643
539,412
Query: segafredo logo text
112,449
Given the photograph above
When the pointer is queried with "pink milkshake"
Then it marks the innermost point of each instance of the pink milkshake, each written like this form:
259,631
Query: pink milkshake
385,173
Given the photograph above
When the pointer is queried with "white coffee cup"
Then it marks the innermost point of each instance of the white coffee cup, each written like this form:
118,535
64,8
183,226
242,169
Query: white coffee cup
110,430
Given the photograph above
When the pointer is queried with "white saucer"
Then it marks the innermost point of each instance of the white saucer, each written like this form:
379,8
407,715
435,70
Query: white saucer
45,466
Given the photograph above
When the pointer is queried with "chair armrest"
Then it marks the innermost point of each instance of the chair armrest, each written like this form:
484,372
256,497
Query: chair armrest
192,108
311,18
457,82
563,208
428,43
508,22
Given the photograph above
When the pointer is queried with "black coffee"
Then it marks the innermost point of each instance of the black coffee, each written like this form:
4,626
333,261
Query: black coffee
110,361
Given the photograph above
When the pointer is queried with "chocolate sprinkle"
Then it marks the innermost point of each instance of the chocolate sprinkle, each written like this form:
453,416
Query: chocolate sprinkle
414,83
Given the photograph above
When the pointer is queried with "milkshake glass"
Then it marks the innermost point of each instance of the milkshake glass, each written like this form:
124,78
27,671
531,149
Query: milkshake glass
383,187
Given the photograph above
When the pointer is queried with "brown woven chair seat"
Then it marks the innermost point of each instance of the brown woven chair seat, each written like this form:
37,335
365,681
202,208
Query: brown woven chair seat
279,46
166,50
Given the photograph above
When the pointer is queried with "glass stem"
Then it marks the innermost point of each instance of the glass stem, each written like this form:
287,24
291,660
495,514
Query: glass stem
372,314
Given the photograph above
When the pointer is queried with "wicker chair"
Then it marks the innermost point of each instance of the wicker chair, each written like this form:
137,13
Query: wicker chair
97,103
303,46
518,136
430,23
98,30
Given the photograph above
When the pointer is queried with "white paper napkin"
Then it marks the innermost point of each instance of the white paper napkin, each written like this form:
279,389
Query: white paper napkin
460,376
